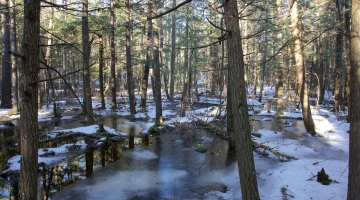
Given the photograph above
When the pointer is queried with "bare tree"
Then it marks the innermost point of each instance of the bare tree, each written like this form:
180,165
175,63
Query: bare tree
6,61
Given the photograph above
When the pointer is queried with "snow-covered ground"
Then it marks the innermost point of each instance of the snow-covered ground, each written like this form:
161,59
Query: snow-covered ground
294,179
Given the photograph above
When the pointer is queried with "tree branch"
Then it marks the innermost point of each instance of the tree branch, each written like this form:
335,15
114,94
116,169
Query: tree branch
169,11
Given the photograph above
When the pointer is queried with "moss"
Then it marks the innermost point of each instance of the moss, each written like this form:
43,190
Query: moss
200,148
157,128
323,177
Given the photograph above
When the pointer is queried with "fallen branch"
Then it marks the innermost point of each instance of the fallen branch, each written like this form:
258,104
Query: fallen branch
217,130
75,135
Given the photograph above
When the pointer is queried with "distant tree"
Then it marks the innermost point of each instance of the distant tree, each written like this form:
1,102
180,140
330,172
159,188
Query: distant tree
6,61
280,70
354,159
15,63
28,89
242,130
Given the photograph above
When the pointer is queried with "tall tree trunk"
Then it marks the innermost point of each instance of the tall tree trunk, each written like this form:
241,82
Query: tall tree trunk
28,73
157,87
301,73
263,65
101,67
348,55
15,106
144,83
129,67
339,68
280,70
88,111
186,67
242,130
6,61
354,150
112,55
173,53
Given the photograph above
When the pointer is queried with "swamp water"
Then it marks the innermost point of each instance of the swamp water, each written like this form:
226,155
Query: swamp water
163,166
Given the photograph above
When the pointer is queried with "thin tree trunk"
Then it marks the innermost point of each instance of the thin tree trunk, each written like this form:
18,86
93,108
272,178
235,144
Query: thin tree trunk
112,55
301,74
129,67
242,130
354,150
173,53
339,68
101,74
348,54
144,83
6,85
28,73
157,87
280,70
86,63
15,108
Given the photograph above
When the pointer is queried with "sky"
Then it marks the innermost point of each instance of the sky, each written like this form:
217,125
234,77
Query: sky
294,179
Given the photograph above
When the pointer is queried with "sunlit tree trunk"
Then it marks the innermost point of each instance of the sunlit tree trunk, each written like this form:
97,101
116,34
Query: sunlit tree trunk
348,55
242,130
354,150
28,76
280,70
15,106
157,76
301,73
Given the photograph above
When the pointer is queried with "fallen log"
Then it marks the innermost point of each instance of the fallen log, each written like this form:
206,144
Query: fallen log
217,130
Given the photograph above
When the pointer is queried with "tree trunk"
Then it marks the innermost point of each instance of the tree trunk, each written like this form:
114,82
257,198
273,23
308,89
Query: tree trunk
28,73
242,130
157,87
301,73
112,55
354,150
88,111
144,83
339,68
101,67
129,67
173,53
6,61
348,55
280,71
263,65
15,106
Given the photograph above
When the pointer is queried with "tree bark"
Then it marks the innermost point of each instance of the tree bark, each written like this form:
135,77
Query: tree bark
348,55
6,58
15,106
144,82
280,70
101,73
242,130
173,53
28,76
157,88
129,67
301,73
112,55
354,150
88,111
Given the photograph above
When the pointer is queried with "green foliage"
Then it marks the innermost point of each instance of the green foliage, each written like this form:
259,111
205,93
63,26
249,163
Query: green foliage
157,128
324,178
200,148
